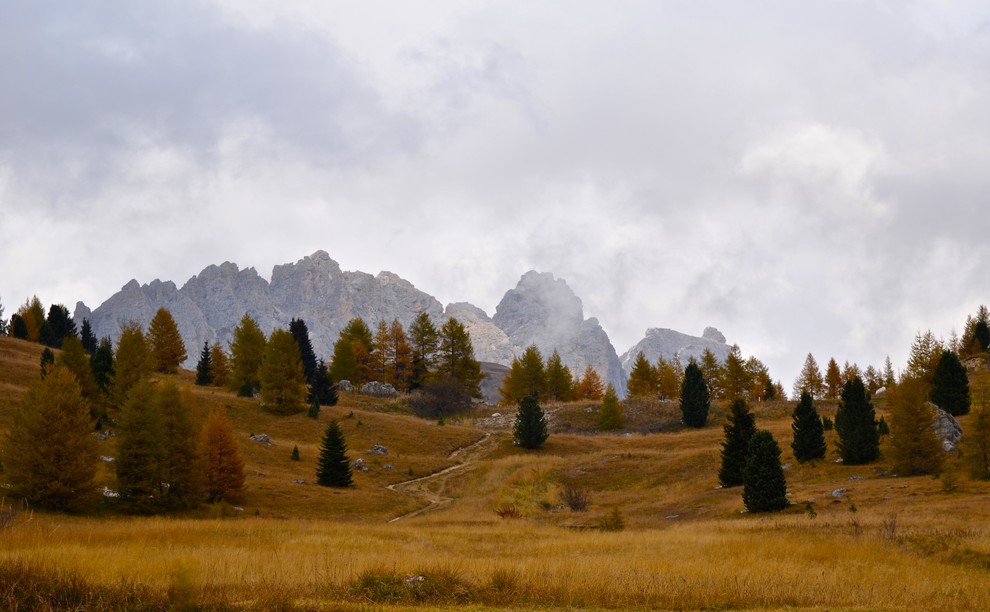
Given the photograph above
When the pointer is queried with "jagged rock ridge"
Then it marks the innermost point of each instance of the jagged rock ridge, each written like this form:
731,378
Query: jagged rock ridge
668,344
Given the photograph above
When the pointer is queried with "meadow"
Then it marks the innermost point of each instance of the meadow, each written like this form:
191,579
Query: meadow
855,537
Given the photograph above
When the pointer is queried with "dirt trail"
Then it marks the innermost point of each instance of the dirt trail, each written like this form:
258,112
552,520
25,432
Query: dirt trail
420,487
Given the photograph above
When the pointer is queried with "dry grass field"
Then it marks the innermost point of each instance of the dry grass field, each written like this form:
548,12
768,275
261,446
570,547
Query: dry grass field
885,543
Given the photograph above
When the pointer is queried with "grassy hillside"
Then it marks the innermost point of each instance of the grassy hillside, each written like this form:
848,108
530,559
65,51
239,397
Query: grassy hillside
883,543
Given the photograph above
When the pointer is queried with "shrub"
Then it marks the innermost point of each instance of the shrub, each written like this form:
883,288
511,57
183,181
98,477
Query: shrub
574,498
508,512
612,521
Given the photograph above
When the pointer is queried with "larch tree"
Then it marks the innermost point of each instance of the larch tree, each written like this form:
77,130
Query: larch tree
4,327
32,315
399,372
141,450
380,352
642,378
455,359
223,467
73,357
530,429
219,366
669,375
711,368
559,381
204,367
50,459
590,386
47,361
168,351
856,424
424,340
526,375
610,413
695,400
351,360
764,485
132,363
950,385
180,467
810,379
833,380
735,379
809,432
914,444
247,350
735,446
283,383
926,351
976,442
889,378
332,467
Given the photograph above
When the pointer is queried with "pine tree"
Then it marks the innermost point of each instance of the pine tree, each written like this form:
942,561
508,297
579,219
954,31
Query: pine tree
168,351
332,468
323,391
132,363
424,340
950,390
531,424
141,450
809,432
204,374
299,331
833,380
810,380
694,397
590,387
223,471
219,366
526,375
764,485
610,415
283,384
735,447
295,453
89,341
642,378
58,326
18,327
559,382
455,359
50,458
855,422
247,350
181,467
914,445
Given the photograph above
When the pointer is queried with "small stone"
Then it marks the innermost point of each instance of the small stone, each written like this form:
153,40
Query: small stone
839,492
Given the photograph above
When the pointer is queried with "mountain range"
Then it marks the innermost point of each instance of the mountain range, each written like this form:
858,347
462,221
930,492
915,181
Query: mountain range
540,310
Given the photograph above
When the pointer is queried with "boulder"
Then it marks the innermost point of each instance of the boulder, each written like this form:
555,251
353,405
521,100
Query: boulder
946,427
379,389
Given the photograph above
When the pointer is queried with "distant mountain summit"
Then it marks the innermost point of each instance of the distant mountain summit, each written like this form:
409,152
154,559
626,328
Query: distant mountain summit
540,310
667,343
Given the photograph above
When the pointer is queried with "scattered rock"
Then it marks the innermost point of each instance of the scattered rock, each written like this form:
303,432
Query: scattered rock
299,481
855,478
238,509
378,449
103,435
107,492
882,391
346,386
786,466
379,389
671,517
412,580
262,438
839,492
388,467
358,463
106,458
589,409
495,415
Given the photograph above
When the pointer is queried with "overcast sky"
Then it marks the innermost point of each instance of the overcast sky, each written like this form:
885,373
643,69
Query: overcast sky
805,176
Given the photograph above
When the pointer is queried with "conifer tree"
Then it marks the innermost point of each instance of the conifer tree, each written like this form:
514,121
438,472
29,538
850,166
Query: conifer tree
204,367
247,350
4,327
531,424
49,457
167,349
424,340
526,375
559,382
47,361
223,468
764,485
89,341
669,375
694,397
351,360
323,391
132,363
32,315
976,442
809,432
855,422
590,387
141,450
889,379
314,410
810,380
833,380
735,447
455,359
914,444
73,358
295,453
981,333
380,357
950,390
18,327
610,414
101,365
735,380
642,378
181,467
58,326
219,366
299,331
712,371
332,468
283,384
924,357
399,371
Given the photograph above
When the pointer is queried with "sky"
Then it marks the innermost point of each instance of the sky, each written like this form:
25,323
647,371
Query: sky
805,176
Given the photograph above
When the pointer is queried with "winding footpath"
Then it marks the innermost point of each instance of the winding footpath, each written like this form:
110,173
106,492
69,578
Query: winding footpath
420,487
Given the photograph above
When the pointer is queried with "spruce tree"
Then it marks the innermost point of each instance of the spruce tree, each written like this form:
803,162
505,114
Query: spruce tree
610,414
694,397
58,326
101,365
764,485
981,333
314,410
809,432
424,340
735,447
18,327
299,331
204,375
165,344
89,341
283,383
223,468
950,390
323,391
47,361
49,457
855,422
332,468
295,453
531,424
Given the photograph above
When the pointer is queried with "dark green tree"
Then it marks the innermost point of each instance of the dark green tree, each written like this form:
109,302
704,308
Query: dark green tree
295,453
531,424
610,414
141,450
89,341
425,340
735,447
950,390
455,358
694,397
855,422
47,361
18,327
323,392
332,468
314,410
101,364
764,486
204,375
299,331
981,333
59,326
809,432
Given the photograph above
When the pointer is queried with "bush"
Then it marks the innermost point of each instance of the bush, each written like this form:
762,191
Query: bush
439,399
574,498
508,512
612,521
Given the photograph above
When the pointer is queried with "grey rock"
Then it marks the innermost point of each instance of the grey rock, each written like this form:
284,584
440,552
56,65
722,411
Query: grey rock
667,343
947,428
378,449
837,493
490,343
262,438
346,386
378,389
358,463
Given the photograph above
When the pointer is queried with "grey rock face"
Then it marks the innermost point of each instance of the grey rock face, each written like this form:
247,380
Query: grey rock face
490,343
668,344
947,428
542,310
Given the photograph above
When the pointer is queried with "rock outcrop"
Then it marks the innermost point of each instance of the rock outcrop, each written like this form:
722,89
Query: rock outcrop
490,343
668,344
